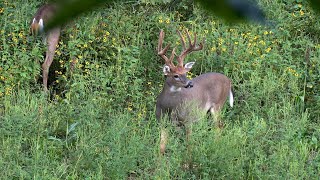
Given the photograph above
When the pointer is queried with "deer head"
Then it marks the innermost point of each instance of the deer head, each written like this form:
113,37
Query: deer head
176,74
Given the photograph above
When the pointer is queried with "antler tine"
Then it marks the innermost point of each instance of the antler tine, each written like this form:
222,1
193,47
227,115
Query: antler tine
182,40
162,52
189,39
192,47
161,36
200,45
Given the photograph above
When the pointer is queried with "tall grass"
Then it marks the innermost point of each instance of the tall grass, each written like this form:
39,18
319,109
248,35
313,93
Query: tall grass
99,122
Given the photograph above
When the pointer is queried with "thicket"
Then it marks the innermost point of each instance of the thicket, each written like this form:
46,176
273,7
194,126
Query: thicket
99,123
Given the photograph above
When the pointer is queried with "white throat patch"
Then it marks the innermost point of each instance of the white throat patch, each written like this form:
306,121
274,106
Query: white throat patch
175,89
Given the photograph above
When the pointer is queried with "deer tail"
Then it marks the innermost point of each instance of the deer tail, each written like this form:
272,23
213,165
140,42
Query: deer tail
37,26
231,100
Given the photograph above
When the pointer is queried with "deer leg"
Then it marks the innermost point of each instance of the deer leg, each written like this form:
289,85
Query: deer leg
188,163
72,65
52,41
216,116
163,140
188,137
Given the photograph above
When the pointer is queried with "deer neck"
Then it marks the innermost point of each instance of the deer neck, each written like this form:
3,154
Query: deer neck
170,88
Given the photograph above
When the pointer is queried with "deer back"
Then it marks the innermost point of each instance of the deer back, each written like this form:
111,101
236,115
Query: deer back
210,90
209,93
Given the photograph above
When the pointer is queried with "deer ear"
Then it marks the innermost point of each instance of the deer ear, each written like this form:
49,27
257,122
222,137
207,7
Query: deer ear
166,70
188,66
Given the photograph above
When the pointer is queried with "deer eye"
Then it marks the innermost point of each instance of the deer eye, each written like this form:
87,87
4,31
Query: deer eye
176,76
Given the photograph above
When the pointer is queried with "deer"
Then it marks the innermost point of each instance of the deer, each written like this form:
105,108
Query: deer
51,37
180,96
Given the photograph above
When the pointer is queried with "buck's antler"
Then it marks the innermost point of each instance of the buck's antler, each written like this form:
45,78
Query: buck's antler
192,47
162,52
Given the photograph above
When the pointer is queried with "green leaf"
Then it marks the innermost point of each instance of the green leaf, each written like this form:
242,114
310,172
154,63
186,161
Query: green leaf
315,4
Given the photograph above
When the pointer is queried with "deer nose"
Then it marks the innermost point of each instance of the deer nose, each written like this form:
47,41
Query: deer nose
189,85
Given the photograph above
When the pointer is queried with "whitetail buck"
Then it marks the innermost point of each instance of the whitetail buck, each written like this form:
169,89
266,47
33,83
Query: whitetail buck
181,97
40,19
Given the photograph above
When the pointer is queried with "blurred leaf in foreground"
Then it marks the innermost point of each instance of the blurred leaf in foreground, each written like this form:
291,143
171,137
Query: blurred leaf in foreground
234,10
71,9
315,4
230,10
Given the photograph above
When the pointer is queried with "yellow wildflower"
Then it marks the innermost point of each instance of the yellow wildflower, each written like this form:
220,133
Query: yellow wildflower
301,13
268,49
8,91
58,52
262,42
189,75
14,39
57,96
21,34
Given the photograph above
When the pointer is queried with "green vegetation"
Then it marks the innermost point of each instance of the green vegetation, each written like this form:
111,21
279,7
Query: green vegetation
99,122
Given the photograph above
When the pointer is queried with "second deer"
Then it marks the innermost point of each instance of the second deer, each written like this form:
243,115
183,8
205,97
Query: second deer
181,97
42,16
